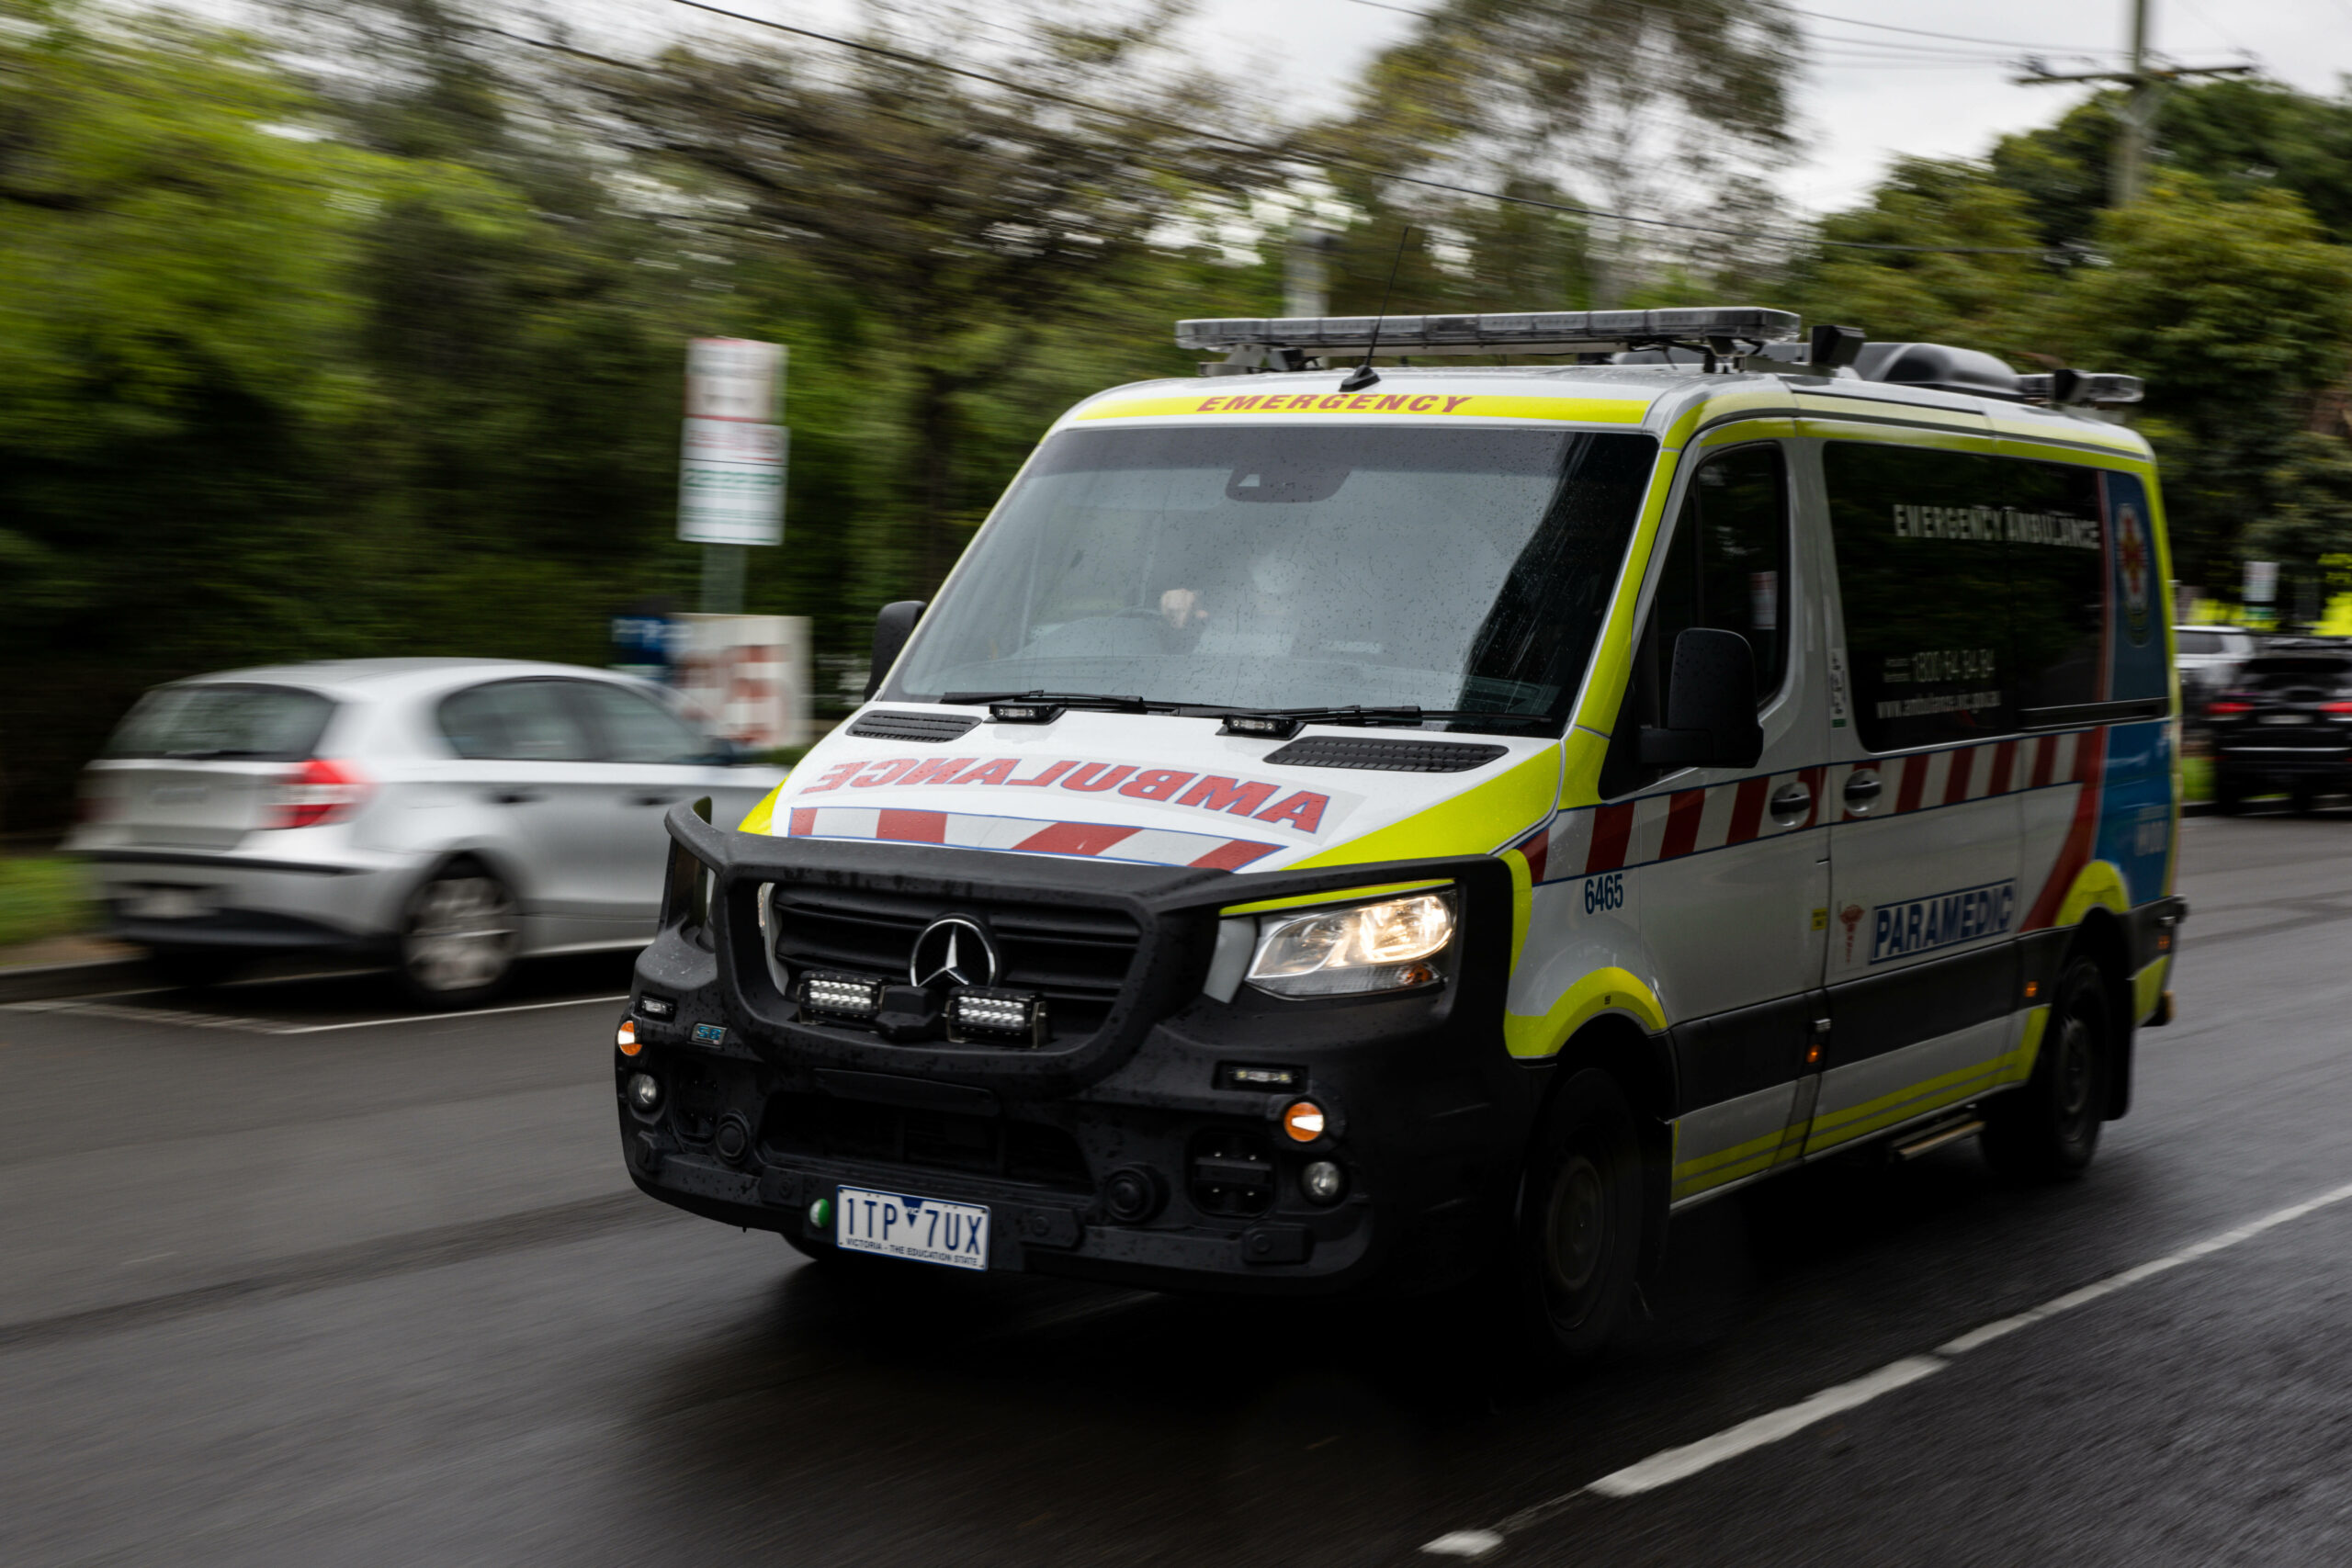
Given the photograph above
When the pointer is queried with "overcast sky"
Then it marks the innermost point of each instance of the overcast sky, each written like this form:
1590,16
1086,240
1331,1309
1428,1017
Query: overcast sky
1871,92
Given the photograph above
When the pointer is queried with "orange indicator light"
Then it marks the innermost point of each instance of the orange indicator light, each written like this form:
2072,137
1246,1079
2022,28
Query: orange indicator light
1303,1119
626,1038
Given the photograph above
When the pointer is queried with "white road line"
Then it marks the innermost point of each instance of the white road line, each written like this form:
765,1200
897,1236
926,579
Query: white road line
1670,1465
443,1017
262,1026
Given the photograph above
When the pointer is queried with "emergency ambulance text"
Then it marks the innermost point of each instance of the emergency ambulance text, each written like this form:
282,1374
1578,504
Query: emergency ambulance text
1255,799
1991,523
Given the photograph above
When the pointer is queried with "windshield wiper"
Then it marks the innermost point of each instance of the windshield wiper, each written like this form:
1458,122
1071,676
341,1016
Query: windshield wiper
1286,722
1093,700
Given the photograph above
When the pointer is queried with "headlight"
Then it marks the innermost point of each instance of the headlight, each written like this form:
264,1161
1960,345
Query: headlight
1345,953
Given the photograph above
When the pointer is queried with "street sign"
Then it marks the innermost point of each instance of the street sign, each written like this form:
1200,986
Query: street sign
731,459
730,482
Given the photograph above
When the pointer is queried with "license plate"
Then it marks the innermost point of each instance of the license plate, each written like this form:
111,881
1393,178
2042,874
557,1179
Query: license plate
2286,718
928,1230
170,904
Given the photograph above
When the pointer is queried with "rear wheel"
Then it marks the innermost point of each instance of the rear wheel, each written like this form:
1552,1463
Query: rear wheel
2229,792
1579,1228
458,937
2049,1129
2306,798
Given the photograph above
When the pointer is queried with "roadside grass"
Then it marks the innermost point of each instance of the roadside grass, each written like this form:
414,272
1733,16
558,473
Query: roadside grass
42,896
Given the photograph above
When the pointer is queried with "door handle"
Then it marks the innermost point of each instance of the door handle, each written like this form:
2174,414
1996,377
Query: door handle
655,799
1862,787
515,797
1791,801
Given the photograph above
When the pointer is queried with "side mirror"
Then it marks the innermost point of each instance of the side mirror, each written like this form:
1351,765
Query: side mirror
891,629
1710,705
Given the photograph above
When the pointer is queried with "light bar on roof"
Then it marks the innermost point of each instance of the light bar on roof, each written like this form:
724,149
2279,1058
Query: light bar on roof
2104,388
1539,331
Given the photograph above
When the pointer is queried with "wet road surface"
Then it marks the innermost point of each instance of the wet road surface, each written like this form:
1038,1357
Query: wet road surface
380,1292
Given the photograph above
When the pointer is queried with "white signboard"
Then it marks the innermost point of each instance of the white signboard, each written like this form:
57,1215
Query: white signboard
747,676
732,460
2261,581
730,482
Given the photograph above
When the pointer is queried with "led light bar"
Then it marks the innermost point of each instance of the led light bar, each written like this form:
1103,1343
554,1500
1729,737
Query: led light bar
981,1015
2102,388
1023,713
1540,331
841,996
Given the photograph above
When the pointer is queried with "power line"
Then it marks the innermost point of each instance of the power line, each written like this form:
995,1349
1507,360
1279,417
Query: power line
1066,101
1814,16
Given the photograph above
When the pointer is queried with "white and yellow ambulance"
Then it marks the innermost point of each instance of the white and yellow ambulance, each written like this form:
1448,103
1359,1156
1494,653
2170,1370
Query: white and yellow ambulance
1343,825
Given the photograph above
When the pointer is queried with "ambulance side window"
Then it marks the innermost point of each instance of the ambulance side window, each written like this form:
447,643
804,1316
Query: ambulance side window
1923,577
1727,566
2057,585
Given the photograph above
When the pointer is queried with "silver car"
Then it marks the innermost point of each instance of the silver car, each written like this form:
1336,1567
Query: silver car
2209,658
452,814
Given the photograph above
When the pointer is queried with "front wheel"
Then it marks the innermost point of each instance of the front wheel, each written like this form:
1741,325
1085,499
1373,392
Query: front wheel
1579,1229
2049,1129
458,937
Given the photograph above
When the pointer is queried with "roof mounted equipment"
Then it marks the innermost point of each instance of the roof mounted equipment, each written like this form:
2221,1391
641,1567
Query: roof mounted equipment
1286,342
2063,389
1939,367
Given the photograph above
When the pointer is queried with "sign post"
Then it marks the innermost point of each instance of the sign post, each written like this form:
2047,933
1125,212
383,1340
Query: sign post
732,460
2261,594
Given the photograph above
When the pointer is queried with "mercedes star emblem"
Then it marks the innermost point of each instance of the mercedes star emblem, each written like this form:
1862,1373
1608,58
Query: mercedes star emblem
956,950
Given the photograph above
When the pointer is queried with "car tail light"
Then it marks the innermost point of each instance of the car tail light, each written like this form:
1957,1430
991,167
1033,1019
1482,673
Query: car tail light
2335,707
2229,705
94,803
319,791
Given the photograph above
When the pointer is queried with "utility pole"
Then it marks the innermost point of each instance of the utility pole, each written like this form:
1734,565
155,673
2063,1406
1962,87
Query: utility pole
1305,274
2128,176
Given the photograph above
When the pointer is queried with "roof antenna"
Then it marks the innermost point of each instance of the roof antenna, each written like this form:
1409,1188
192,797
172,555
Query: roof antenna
1364,375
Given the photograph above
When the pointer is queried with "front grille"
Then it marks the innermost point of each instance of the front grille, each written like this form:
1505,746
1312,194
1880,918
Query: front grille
823,1126
1386,754
1076,956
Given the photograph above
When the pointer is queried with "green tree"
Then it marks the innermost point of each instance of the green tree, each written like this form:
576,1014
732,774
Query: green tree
2237,313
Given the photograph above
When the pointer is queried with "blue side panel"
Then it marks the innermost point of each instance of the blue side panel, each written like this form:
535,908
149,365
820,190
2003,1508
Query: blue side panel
2135,634
2136,807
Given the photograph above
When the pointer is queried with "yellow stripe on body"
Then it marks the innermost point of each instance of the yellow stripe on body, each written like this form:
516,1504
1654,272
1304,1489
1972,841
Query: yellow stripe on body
761,819
1456,405
1337,895
1531,1035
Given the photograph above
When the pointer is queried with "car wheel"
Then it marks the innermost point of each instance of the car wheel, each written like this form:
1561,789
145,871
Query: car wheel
2229,793
2305,797
458,936
2049,1129
1579,1228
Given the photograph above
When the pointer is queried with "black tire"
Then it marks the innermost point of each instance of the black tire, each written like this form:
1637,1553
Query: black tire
2229,792
195,968
2305,797
1578,1236
458,936
2049,1129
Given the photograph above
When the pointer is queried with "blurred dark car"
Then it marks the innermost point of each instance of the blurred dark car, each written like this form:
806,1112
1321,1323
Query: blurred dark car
450,815
2209,659
2285,723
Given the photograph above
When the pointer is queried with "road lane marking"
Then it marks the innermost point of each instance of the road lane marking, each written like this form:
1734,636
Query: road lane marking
263,1026
437,1017
1670,1465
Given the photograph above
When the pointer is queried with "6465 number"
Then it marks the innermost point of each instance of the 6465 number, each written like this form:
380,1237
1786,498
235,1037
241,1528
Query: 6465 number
1605,892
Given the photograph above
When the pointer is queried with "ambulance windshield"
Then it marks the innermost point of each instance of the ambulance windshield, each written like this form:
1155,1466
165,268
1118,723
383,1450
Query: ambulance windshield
1297,567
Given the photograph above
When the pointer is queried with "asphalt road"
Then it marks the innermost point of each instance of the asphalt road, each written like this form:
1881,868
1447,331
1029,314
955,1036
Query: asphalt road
378,1292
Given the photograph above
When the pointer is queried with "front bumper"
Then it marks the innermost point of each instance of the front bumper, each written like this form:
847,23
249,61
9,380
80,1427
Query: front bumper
766,1111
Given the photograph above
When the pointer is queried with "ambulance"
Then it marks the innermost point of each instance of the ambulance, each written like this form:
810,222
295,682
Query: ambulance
1372,816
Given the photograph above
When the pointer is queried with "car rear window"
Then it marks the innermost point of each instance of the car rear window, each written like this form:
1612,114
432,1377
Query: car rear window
2198,642
2276,674
269,723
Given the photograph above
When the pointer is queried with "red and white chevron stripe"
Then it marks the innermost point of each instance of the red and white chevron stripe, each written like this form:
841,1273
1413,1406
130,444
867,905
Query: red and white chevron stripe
970,830
1689,822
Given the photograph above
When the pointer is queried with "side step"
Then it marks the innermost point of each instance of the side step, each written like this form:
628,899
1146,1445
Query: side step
1937,1135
